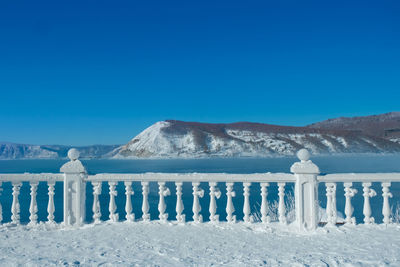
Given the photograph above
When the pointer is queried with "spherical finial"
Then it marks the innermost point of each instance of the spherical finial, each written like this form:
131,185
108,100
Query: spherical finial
73,154
303,154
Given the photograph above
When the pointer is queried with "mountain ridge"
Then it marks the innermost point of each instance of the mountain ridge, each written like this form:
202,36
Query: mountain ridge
181,139
173,138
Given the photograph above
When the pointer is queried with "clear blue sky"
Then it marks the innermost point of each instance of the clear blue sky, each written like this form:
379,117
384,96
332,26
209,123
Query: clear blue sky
102,71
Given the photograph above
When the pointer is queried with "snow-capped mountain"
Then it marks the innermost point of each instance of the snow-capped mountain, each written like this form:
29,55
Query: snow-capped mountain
22,151
190,139
178,139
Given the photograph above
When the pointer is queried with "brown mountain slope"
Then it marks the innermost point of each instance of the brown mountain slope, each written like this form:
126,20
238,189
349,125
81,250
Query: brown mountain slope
384,125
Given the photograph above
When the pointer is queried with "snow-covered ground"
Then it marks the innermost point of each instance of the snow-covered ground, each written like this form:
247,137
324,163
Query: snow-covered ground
155,244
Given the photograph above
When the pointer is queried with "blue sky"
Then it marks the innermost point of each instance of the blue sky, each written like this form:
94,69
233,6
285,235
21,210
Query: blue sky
102,71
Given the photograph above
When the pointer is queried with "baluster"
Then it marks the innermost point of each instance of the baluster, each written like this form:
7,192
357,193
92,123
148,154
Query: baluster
246,205
331,211
197,193
386,209
33,209
112,206
264,204
96,202
1,209
348,210
368,192
281,207
230,209
163,192
15,208
214,194
50,204
179,203
130,217
145,203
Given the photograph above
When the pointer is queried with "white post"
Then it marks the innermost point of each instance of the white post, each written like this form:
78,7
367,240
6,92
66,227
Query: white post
145,203
163,192
96,202
74,189
179,203
246,206
230,209
264,203
33,209
386,209
112,207
214,194
331,210
130,217
197,193
50,204
281,204
306,191
348,210
15,208
368,192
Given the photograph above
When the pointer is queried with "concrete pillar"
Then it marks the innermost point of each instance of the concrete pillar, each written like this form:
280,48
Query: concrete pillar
74,189
306,191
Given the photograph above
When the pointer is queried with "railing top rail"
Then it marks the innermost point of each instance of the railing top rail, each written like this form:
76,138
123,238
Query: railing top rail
195,177
31,177
360,177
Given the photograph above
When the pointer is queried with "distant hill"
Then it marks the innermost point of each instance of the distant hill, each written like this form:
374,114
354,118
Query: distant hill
385,125
180,139
22,151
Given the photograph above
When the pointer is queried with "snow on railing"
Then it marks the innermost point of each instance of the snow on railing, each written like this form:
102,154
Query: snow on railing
366,179
195,179
33,179
305,176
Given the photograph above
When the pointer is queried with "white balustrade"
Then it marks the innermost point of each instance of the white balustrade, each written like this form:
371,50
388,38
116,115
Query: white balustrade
130,217
264,203
15,208
368,193
215,194
281,203
230,209
96,202
180,218
112,207
197,193
50,204
145,202
246,205
305,176
348,210
331,211
386,212
162,192
33,209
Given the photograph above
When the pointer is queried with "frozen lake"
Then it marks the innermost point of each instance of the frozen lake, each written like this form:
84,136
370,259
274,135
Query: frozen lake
327,164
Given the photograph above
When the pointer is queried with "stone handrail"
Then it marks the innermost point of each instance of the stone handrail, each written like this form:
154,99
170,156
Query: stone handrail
194,177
